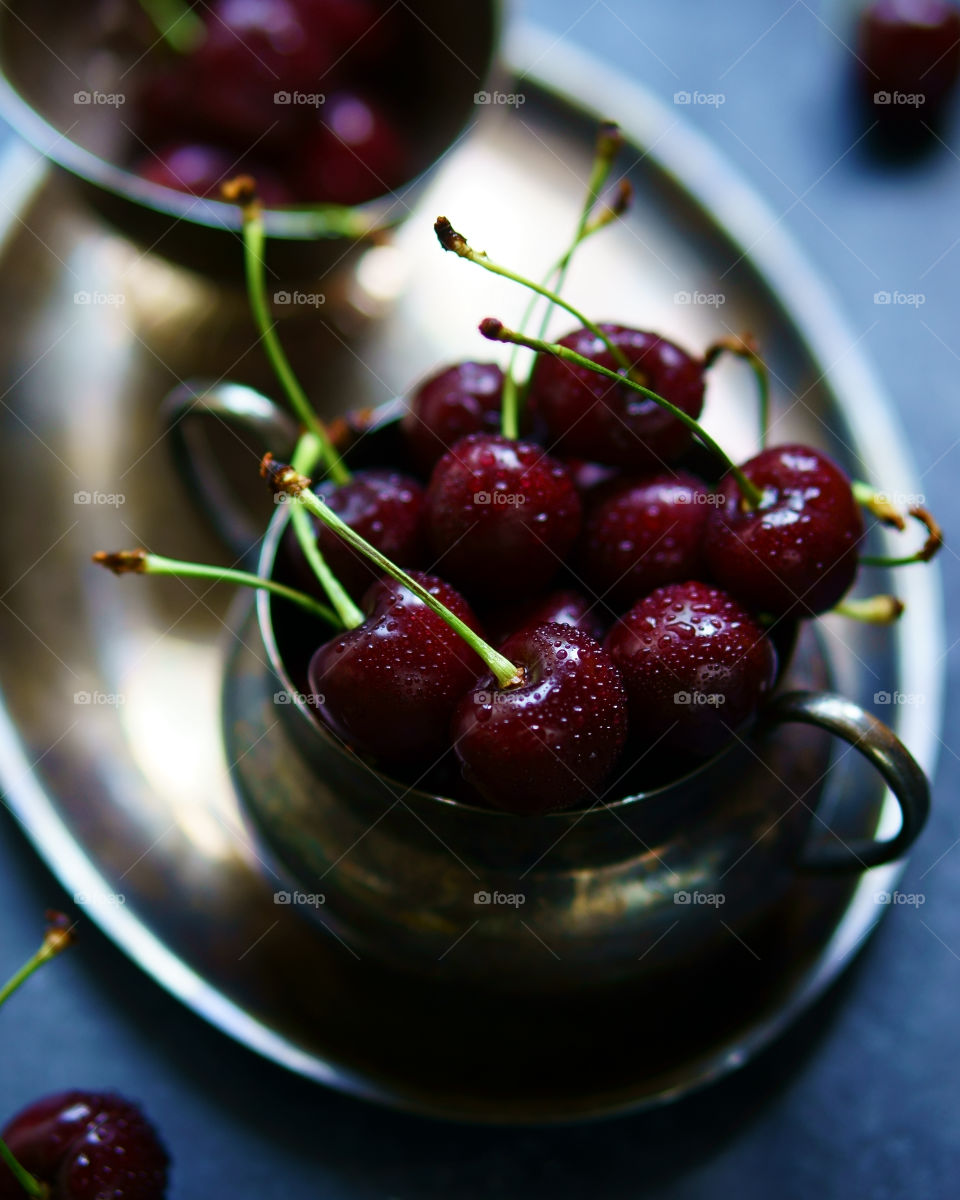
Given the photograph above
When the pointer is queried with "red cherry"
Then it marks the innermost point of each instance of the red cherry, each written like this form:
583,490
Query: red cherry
564,607
591,417
387,688
695,665
797,551
909,52
353,154
641,533
553,740
86,1146
458,400
501,514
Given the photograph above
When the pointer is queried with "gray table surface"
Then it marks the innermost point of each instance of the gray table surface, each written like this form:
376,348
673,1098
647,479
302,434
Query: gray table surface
861,1099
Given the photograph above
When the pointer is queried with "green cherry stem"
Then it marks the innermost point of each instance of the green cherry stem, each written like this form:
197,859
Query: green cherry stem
745,348
139,562
307,454
930,548
177,24
57,938
457,244
496,331
871,610
286,480
243,191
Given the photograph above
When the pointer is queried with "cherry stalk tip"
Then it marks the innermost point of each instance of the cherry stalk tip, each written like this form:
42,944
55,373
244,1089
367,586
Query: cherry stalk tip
242,190
449,238
282,477
122,562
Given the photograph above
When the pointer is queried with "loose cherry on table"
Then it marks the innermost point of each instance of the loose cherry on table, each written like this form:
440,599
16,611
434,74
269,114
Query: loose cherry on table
551,741
796,550
641,533
460,399
909,55
695,664
501,515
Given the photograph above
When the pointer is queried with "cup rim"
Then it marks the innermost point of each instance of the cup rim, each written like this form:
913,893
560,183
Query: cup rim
268,551
293,223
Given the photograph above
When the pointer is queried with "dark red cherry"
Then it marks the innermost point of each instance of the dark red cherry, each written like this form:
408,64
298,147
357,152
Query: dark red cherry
352,154
387,688
641,533
587,476
501,515
563,607
384,507
591,417
553,740
201,170
86,1146
909,53
797,551
458,400
359,31
695,665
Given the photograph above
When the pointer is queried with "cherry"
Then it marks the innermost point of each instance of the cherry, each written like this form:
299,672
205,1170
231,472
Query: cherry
641,533
695,665
458,400
563,607
387,688
587,476
358,31
590,417
384,507
353,154
501,514
201,170
552,740
910,55
796,551
86,1146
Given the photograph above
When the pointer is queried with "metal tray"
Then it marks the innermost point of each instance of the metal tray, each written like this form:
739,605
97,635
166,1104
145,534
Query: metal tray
110,747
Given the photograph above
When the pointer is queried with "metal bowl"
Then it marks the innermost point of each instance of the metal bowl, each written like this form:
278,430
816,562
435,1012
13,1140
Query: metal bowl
54,58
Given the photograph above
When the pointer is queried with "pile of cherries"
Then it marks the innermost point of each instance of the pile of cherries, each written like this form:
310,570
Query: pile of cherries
301,93
555,585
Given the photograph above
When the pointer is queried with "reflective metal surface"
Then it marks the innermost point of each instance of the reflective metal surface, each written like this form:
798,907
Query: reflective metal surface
110,743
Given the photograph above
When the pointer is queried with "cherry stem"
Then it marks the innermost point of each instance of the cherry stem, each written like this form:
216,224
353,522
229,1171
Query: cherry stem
930,548
305,457
877,503
495,331
744,347
139,562
30,1185
243,191
285,479
456,243
177,24
871,610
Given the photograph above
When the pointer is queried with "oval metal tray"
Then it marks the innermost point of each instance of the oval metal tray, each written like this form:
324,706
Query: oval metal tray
110,747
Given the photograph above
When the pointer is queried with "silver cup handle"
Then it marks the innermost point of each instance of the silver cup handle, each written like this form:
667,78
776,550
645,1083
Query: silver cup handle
185,413
884,750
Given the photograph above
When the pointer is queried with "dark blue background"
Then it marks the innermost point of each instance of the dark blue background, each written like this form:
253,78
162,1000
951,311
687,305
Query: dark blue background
862,1098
